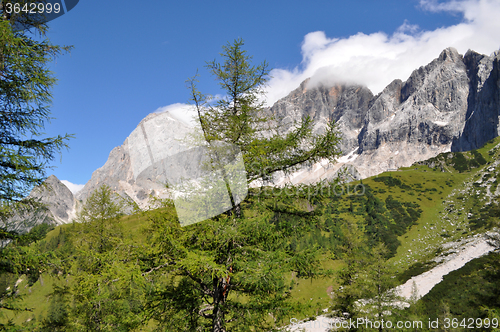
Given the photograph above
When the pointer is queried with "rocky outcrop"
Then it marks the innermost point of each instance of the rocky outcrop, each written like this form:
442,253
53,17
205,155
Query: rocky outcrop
347,105
58,199
417,119
55,205
135,169
483,102
450,104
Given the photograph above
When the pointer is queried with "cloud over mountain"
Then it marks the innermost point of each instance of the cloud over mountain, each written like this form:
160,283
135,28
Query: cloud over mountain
376,59
74,188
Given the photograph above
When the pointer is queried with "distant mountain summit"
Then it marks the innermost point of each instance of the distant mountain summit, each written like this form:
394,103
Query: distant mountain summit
59,207
451,104
156,134
58,198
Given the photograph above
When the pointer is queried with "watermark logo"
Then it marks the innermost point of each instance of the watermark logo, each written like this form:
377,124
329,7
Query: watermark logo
27,13
204,179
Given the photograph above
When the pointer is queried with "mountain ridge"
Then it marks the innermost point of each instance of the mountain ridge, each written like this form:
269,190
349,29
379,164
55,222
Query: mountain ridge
441,107
408,121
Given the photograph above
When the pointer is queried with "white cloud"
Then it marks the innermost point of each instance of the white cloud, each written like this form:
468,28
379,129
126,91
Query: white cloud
407,27
182,112
376,59
185,112
74,188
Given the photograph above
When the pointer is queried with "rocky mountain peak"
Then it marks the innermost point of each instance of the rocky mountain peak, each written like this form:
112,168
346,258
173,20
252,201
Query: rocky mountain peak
483,101
450,54
447,67
133,169
433,111
58,206
57,197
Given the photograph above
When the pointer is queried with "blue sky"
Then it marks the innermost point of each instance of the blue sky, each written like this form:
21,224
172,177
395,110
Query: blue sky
132,58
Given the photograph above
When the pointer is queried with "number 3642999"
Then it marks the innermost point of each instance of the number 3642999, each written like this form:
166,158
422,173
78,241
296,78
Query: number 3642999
32,8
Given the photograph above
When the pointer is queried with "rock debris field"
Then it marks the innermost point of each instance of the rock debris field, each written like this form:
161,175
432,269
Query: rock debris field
455,255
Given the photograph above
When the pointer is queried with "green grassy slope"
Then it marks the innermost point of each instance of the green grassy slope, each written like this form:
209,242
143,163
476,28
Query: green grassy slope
36,297
446,195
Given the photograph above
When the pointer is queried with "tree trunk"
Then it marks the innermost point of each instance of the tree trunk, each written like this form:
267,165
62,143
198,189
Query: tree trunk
218,322
237,210
221,292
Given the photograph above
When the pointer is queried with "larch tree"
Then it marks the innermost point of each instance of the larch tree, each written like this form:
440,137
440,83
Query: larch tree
380,298
106,290
25,99
354,251
240,119
231,269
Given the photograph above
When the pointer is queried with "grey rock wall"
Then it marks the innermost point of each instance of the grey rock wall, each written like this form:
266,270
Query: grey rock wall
58,198
59,207
450,104
417,119
483,102
135,170
347,105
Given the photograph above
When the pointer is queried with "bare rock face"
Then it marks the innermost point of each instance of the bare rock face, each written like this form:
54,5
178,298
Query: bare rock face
58,207
453,103
417,119
483,101
134,169
347,105
58,199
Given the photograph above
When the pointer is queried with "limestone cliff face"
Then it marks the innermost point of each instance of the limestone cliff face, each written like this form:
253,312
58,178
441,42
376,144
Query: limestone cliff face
450,104
416,119
453,103
483,101
346,105
58,199
59,207
134,169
